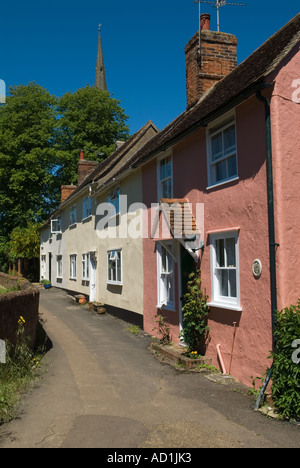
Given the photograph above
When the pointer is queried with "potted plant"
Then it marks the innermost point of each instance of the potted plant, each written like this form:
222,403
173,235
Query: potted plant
47,284
81,299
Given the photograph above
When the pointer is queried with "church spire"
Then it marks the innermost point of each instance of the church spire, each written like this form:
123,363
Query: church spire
100,79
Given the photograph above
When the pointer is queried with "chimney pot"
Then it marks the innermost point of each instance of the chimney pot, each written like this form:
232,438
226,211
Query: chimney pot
205,21
82,155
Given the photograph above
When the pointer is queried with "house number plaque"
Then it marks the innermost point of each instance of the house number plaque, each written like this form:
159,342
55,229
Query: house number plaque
257,268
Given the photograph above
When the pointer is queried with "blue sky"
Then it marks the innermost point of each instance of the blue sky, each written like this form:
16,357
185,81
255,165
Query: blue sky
54,43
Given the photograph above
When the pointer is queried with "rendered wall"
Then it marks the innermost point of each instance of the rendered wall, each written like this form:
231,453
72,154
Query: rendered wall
240,204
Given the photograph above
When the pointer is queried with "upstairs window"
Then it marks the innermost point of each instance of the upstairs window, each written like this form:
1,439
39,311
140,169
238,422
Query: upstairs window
165,176
114,200
56,225
222,154
86,207
72,216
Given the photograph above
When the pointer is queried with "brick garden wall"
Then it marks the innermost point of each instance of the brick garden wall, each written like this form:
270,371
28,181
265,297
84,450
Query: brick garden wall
24,302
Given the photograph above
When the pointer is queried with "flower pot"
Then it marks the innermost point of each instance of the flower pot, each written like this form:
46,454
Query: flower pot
99,308
47,286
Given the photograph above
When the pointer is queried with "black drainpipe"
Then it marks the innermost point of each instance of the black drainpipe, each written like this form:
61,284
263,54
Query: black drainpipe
271,221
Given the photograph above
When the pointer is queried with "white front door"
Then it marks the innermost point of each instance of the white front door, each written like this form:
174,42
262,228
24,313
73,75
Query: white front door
93,276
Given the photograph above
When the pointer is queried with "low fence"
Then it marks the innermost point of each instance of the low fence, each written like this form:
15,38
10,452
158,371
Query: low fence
24,301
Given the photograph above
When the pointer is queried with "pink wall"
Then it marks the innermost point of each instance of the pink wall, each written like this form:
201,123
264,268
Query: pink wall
242,203
285,118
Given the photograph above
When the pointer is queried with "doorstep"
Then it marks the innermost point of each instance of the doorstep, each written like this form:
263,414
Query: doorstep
174,352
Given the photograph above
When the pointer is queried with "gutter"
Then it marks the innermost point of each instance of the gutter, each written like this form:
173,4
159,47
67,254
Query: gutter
271,222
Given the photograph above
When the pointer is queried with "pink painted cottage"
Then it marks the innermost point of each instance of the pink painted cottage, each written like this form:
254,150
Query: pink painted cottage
231,162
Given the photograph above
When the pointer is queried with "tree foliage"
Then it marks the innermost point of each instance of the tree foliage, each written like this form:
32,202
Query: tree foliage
40,140
286,365
24,242
90,119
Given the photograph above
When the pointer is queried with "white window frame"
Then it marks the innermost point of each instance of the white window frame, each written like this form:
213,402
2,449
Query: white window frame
214,129
114,256
114,199
59,267
217,299
160,181
166,275
56,225
72,216
73,266
85,267
86,208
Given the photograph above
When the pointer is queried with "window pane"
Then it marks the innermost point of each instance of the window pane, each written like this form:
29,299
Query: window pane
220,253
221,170
164,267
232,167
230,252
162,169
232,282
216,146
88,266
119,267
169,167
224,283
229,139
167,189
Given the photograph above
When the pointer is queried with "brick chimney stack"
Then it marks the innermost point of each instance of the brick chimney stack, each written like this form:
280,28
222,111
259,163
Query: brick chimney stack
66,191
85,168
208,62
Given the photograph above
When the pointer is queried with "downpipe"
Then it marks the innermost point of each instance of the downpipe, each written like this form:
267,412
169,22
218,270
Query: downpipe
271,221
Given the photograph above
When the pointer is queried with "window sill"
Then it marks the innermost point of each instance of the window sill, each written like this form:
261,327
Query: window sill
87,218
171,308
114,283
220,184
73,279
222,305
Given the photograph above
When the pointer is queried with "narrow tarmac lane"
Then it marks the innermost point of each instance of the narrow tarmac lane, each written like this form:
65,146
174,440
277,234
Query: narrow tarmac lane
104,389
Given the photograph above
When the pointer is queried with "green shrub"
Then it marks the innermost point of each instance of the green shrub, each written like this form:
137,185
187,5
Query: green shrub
163,330
16,374
286,368
195,315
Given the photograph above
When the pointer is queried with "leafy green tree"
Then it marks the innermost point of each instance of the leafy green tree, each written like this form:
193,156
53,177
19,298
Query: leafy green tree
24,242
90,119
28,190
